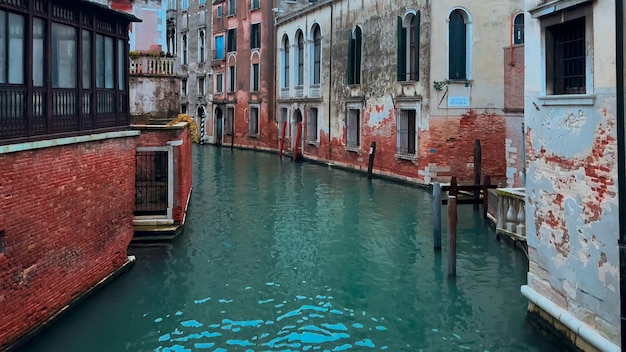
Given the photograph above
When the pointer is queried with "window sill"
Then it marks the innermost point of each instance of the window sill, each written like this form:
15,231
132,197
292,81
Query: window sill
567,100
355,149
410,157
255,136
313,143
407,83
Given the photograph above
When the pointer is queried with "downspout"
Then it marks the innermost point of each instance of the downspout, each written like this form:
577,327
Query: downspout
621,162
330,83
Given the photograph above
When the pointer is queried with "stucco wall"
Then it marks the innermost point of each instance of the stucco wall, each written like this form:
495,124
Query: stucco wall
154,96
571,184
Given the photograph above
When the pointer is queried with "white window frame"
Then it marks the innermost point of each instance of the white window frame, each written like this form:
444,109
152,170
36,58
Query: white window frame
547,98
469,42
219,77
252,118
403,107
313,129
201,45
312,56
349,108
201,86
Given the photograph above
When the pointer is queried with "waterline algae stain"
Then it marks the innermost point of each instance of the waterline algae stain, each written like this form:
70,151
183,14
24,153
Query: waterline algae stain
317,260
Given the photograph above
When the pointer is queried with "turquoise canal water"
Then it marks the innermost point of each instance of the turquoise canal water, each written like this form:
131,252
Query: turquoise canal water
282,256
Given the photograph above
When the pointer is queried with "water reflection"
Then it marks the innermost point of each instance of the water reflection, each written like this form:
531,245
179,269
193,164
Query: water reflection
282,256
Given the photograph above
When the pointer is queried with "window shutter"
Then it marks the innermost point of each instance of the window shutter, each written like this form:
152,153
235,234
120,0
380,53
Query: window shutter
357,55
350,70
401,51
416,49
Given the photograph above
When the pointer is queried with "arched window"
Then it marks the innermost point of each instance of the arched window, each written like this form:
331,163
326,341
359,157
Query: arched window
184,49
300,60
285,62
201,46
408,47
316,58
354,55
518,29
458,34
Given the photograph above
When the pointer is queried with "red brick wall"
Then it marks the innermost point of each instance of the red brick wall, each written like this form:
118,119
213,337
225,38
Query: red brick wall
158,137
67,220
514,79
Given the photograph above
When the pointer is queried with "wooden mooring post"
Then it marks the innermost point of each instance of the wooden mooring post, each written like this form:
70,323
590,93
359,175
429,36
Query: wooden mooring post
452,222
437,215
370,164
477,167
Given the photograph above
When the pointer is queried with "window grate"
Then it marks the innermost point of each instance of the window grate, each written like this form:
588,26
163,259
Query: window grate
151,183
569,57
406,132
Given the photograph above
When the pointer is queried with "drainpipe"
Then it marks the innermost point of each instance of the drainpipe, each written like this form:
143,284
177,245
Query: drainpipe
621,162
330,83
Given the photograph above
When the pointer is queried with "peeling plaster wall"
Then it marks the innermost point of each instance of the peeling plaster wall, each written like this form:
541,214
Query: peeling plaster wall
572,215
154,96
445,136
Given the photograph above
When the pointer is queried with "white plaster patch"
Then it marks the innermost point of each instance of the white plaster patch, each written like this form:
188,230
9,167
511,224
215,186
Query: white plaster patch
569,289
607,269
574,121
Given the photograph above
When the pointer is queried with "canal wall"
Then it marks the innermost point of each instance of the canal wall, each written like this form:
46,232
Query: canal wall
178,137
66,221
571,185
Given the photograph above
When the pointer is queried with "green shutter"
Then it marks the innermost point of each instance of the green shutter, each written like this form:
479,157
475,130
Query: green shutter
416,50
350,70
401,51
357,54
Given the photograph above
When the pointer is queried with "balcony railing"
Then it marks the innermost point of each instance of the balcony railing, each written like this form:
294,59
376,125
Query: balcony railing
25,116
157,66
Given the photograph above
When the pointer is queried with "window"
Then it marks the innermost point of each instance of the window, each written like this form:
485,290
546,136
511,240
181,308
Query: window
171,40
183,108
219,83
406,132
183,86
458,34
104,61
201,46
122,54
408,47
231,78
253,122
232,40
86,59
201,86
300,59
231,7
219,11
11,41
311,125
354,128
185,5
354,56
566,57
202,2
284,117
254,4
171,4
219,47
518,29
254,78
317,54
39,35
255,36
184,49
285,62
230,120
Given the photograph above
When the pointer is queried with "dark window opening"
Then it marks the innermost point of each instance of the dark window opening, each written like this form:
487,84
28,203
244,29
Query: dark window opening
568,57
457,60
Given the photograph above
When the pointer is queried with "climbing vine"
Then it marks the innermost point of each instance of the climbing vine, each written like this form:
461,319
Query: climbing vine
194,132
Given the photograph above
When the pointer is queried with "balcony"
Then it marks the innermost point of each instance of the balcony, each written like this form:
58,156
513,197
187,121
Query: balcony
152,66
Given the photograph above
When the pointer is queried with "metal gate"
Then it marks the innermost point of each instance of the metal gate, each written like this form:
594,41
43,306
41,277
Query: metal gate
151,186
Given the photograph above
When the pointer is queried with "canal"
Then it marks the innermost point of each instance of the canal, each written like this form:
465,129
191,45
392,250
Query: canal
282,256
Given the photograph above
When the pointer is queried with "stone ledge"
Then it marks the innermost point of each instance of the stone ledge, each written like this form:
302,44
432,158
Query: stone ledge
20,147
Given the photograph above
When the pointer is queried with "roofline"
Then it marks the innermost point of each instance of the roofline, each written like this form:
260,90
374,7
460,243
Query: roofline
294,15
130,17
